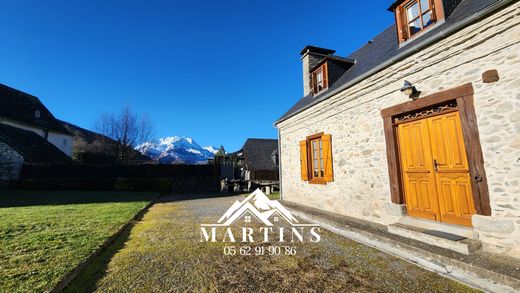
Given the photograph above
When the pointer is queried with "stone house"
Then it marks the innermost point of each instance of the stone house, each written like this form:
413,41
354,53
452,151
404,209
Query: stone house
441,152
27,112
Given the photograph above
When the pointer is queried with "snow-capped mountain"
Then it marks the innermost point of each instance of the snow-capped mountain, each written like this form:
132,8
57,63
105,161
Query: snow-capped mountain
177,150
211,149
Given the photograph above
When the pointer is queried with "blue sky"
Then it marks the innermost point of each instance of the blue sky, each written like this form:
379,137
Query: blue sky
216,71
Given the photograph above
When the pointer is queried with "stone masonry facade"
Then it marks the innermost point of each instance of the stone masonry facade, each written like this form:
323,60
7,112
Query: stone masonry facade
11,163
352,116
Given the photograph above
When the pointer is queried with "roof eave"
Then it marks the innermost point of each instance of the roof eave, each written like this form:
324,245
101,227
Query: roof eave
422,44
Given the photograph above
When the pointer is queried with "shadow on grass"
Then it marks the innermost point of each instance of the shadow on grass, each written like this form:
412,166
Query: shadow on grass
87,280
20,198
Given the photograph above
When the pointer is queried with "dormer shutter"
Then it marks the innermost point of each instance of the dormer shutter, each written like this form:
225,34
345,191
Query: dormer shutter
402,22
314,83
433,10
325,75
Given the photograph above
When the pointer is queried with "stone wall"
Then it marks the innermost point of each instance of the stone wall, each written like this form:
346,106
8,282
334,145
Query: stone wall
360,188
10,163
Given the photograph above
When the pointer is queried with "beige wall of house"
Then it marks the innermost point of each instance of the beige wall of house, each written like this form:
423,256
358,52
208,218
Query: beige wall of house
361,184
61,141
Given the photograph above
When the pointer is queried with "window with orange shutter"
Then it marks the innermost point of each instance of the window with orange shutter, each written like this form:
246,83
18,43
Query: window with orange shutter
414,16
319,79
316,159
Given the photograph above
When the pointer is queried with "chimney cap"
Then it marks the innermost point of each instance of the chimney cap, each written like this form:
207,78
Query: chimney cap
318,50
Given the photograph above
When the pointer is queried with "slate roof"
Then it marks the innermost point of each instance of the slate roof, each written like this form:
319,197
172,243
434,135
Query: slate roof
258,154
384,47
34,148
19,106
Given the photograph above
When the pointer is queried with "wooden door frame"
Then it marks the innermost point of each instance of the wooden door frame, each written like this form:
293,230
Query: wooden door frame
463,95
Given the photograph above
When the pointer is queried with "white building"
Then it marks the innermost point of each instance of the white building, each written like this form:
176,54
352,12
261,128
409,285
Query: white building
27,112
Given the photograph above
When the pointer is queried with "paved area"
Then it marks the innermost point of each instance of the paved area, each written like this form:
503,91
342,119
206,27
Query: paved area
164,253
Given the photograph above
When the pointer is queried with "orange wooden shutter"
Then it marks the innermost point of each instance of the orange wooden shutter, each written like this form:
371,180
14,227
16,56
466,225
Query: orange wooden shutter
399,24
325,75
314,83
433,9
303,160
327,157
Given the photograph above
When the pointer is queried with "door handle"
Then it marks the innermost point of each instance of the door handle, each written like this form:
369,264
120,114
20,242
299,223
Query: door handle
436,165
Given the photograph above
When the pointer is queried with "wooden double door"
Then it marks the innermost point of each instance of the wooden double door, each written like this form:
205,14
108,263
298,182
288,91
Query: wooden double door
435,172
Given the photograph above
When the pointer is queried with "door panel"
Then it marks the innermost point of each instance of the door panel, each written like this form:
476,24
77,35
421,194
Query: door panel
435,169
418,177
452,172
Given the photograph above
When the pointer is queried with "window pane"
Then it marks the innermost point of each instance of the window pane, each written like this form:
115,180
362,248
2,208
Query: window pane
412,11
425,5
427,19
415,26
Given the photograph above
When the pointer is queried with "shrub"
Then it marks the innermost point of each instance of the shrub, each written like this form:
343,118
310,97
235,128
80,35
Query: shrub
163,185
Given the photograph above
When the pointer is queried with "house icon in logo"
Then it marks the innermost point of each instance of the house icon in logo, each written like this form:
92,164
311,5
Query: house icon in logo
257,205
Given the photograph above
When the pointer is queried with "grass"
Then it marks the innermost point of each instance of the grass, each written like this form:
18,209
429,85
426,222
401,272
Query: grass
163,253
44,235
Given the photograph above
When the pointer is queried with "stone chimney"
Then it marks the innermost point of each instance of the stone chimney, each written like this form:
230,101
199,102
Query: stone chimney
311,56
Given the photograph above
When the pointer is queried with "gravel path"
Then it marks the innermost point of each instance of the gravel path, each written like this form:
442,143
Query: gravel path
164,254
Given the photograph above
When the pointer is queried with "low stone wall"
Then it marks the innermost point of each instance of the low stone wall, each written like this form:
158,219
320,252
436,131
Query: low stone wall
11,163
361,185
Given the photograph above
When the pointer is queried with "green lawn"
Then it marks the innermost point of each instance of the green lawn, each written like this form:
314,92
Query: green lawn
44,235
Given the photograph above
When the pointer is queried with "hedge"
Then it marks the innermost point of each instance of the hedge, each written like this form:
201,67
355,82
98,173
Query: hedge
116,171
163,185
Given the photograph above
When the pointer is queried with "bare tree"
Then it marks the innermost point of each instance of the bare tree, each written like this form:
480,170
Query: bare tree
127,130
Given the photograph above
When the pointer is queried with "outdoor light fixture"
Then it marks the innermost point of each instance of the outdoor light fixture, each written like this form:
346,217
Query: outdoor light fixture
410,90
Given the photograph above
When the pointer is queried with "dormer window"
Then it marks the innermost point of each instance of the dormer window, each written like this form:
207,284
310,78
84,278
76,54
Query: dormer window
414,16
418,15
319,79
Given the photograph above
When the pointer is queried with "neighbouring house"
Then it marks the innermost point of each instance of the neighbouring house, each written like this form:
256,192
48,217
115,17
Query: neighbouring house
27,112
441,152
19,146
256,163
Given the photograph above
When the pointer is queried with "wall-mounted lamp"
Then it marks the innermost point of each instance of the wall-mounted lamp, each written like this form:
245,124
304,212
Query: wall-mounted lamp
410,90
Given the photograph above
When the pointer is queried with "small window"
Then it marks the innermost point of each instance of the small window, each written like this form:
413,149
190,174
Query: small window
418,15
247,219
319,79
275,219
316,159
37,114
414,16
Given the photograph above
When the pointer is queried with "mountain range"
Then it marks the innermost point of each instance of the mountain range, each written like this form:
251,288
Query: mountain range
177,150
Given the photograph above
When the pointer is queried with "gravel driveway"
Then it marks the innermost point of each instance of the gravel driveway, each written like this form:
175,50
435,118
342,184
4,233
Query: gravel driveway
164,254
